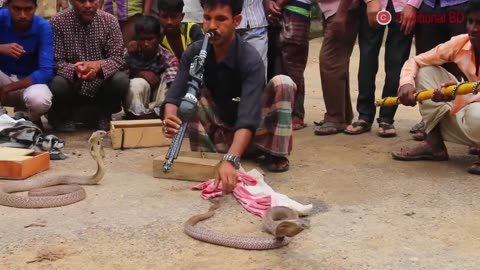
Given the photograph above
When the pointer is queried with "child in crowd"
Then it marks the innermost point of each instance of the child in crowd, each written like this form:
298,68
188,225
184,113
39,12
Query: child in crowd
152,69
177,36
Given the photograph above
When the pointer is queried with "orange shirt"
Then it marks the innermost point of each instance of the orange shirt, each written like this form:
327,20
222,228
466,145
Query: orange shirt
458,50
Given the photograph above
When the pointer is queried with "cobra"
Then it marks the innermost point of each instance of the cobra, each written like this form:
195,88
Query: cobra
282,222
59,190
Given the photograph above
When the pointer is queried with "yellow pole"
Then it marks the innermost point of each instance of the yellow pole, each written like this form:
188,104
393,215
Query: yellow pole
460,89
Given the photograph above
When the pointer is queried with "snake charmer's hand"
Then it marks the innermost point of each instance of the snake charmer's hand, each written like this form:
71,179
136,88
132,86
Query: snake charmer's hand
171,125
406,94
440,96
227,174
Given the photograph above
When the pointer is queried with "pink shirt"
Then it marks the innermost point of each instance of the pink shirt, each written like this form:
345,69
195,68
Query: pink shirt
330,7
400,4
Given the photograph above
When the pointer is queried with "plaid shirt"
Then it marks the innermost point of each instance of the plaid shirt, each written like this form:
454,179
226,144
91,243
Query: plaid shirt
99,41
457,50
165,62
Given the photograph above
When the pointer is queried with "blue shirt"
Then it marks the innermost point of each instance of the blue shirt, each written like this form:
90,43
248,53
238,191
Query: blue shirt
444,3
37,61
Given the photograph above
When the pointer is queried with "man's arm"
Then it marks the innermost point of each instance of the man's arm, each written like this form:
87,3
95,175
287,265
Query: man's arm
44,73
114,51
443,53
147,7
63,67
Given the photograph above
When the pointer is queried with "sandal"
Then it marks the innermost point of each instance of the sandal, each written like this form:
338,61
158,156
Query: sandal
364,127
298,123
419,136
472,150
474,168
388,130
277,164
329,128
418,127
423,151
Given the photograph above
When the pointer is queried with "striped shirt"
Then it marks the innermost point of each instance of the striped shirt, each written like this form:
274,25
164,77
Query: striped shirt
458,50
444,3
123,9
253,15
99,41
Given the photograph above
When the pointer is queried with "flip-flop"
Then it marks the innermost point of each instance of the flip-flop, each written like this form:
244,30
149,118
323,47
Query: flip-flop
272,162
474,168
330,128
420,152
298,124
365,127
385,127
418,127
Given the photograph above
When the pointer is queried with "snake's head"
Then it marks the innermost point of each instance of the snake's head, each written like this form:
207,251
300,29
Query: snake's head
95,142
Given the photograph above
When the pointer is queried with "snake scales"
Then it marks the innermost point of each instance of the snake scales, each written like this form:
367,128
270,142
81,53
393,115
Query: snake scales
282,222
56,191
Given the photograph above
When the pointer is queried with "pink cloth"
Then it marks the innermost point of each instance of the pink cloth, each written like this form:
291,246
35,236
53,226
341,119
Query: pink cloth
256,205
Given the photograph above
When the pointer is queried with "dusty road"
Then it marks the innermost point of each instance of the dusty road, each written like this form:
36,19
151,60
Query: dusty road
370,212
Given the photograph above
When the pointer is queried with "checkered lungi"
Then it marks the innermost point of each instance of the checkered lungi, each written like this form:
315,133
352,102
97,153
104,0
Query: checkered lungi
208,133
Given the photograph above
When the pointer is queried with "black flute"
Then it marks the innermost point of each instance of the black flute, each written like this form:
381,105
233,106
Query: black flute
189,104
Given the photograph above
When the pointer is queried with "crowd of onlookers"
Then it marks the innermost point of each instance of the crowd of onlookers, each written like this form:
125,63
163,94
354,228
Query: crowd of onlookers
84,64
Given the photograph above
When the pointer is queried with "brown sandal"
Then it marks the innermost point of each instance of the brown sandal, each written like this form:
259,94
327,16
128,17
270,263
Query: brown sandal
423,151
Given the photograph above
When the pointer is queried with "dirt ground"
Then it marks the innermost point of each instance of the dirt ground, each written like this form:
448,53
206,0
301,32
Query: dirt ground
370,212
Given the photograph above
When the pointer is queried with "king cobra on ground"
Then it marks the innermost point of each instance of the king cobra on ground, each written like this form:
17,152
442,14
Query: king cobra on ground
282,222
59,190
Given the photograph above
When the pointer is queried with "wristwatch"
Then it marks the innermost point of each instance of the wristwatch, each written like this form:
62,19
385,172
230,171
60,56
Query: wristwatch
233,159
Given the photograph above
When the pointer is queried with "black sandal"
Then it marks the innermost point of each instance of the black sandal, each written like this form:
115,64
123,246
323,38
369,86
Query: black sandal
365,127
272,164
385,127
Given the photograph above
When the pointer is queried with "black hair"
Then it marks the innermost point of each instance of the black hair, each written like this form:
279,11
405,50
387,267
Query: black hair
473,5
34,2
170,5
235,5
147,24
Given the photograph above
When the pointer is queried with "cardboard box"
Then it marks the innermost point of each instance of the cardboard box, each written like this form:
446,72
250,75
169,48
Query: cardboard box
137,134
19,164
192,166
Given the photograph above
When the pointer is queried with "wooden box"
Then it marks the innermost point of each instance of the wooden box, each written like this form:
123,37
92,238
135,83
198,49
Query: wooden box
138,133
18,163
192,166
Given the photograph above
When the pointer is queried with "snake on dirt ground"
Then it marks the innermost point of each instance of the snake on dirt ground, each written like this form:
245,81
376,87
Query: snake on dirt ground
282,222
59,190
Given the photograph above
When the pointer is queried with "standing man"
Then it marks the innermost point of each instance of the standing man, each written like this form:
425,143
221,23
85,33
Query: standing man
230,117
397,50
88,54
253,27
127,12
340,26
288,47
26,59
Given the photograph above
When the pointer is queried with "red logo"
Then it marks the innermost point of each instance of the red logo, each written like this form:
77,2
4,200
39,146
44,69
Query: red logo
384,17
